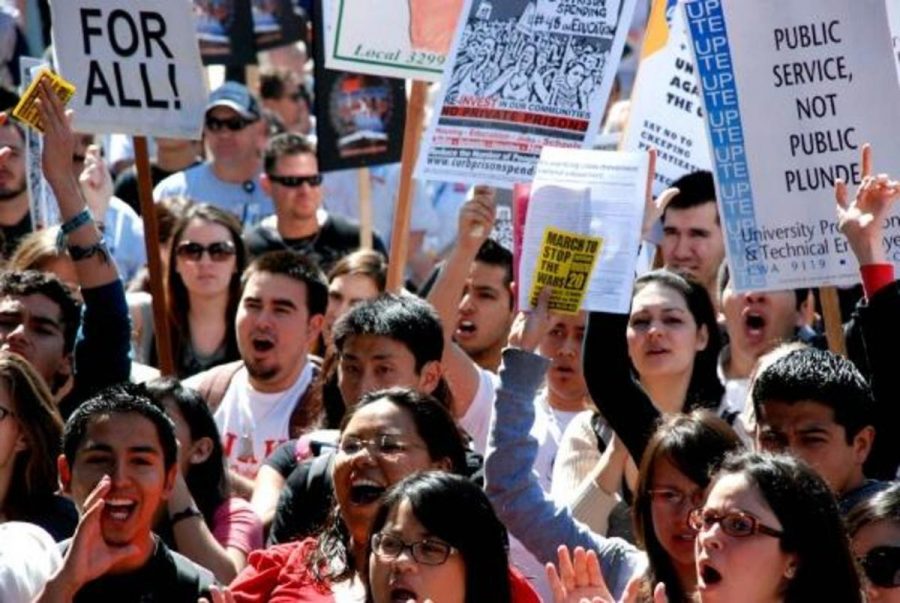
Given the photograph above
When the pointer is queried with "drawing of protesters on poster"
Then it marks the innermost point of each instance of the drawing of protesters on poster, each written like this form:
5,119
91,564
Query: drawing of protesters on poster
276,23
525,74
225,32
792,91
666,109
413,36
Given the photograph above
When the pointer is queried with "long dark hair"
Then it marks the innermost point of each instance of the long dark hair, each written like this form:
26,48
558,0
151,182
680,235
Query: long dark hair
695,444
458,512
331,560
178,299
207,481
811,525
705,389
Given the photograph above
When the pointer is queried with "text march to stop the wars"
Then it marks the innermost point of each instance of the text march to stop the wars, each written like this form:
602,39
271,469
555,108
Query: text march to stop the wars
792,90
135,65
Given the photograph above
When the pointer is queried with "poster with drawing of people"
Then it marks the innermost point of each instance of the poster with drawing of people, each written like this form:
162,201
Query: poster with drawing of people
524,74
225,32
276,23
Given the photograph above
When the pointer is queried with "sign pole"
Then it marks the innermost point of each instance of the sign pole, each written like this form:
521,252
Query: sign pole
412,132
151,241
366,238
834,326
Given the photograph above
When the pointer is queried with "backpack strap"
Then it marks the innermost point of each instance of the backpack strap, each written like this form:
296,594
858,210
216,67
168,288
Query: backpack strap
308,410
215,382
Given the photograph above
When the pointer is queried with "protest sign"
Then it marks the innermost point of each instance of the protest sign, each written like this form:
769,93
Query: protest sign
502,233
666,110
393,38
135,66
792,90
42,201
276,23
565,263
523,75
225,32
521,196
893,9
26,110
595,194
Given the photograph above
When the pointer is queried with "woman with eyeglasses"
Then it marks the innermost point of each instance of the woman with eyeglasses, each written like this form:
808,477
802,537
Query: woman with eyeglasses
874,527
203,288
436,538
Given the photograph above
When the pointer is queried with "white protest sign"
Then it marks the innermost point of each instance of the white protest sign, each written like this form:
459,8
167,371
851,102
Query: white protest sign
588,192
135,65
523,75
666,109
43,206
792,90
392,38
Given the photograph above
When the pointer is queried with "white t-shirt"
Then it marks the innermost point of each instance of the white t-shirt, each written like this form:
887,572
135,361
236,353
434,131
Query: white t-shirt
253,424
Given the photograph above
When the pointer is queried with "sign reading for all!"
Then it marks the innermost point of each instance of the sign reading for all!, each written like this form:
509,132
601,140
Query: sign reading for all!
135,66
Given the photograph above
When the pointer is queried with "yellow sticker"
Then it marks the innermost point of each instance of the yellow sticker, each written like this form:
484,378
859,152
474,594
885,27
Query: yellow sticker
565,263
27,112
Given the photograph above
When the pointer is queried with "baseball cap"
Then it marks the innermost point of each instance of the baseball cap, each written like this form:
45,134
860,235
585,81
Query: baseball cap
235,96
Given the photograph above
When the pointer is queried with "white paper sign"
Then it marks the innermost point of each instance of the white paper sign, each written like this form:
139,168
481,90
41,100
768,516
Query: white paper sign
392,38
135,66
666,110
792,90
598,193
525,74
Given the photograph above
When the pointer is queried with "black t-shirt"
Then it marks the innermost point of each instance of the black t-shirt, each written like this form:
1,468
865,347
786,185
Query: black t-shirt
336,238
166,577
56,514
12,234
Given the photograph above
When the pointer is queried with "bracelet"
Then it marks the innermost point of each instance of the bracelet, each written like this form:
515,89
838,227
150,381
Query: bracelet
186,514
78,253
76,221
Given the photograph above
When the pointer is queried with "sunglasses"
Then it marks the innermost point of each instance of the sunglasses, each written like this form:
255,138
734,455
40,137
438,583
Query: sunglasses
882,566
235,124
297,181
734,523
5,412
219,251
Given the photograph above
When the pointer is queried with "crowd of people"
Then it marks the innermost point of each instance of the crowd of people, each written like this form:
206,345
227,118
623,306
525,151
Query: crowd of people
324,439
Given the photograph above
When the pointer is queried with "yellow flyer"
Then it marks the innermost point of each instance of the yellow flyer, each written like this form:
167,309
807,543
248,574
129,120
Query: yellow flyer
565,262
27,112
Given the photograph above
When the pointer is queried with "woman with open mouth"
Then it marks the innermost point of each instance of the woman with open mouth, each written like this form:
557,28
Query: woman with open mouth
436,538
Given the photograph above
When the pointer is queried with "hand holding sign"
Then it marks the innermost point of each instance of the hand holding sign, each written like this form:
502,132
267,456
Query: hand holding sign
862,221
476,218
59,141
530,327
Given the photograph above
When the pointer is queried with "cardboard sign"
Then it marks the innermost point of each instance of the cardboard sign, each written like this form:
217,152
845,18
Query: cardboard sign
788,96
523,75
392,38
565,263
599,196
666,109
135,66
26,110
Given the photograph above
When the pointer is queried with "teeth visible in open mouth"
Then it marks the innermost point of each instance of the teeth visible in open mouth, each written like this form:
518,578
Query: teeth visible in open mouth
119,508
466,326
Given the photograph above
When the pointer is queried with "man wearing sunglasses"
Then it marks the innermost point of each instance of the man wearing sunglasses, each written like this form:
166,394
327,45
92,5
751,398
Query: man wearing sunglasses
234,136
293,180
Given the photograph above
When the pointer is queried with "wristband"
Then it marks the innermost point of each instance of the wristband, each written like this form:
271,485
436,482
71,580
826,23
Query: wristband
78,253
186,514
76,221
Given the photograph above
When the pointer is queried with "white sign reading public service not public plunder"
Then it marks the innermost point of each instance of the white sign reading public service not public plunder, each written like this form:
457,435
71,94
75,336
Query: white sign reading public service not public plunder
792,90
135,65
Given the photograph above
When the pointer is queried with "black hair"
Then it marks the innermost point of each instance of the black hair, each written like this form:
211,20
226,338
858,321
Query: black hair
295,266
705,389
207,481
694,189
403,318
31,282
493,253
458,512
123,398
810,522
695,444
288,144
883,506
818,376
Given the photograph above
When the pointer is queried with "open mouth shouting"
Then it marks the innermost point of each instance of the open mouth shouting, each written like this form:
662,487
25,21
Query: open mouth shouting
709,576
465,329
402,594
755,324
365,491
118,510
262,344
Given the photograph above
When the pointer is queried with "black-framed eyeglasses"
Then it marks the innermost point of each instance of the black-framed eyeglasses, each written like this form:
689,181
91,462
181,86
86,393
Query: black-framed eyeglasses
297,181
882,566
385,444
427,552
220,251
734,523
5,412
235,124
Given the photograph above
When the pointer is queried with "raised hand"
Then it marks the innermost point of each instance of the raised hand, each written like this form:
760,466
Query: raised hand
530,327
862,221
59,141
96,182
579,580
476,217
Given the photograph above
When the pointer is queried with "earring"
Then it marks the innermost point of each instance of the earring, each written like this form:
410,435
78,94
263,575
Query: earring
790,571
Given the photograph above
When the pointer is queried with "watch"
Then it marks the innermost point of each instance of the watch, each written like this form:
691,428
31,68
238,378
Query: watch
185,514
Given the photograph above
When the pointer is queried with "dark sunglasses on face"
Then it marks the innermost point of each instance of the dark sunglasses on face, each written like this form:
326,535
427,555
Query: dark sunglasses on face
297,181
734,523
219,251
882,566
235,124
